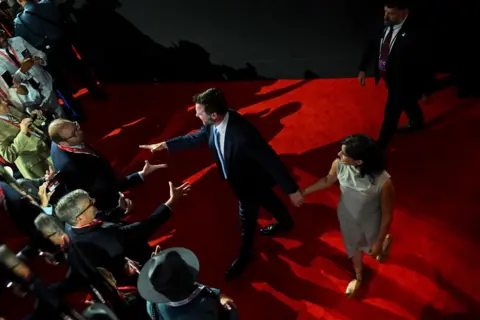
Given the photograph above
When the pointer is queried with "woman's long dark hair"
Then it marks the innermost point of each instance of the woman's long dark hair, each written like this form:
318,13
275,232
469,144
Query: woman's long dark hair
362,147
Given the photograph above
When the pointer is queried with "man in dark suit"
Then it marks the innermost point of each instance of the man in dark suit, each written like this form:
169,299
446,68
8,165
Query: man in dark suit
247,162
401,55
83,275
119,241
81,167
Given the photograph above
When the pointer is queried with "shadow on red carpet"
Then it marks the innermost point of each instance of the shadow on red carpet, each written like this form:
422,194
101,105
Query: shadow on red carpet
303,275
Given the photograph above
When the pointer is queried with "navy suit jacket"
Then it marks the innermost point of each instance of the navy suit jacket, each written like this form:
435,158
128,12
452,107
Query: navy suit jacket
251,163
92,174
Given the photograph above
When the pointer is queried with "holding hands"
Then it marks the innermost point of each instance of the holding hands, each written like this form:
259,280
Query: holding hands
296,198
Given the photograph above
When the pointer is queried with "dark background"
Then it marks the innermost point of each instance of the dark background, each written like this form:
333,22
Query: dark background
189,40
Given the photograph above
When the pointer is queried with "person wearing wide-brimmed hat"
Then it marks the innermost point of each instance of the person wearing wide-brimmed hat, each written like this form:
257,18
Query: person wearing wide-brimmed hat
168,283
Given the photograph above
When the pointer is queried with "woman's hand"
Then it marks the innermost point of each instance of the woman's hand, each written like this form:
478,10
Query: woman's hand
376,249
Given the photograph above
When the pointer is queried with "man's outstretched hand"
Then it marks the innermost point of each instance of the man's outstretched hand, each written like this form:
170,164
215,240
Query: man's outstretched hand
176,193
154,147
150,168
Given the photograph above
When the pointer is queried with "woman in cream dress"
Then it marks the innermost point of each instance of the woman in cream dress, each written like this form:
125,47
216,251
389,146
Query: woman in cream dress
366,202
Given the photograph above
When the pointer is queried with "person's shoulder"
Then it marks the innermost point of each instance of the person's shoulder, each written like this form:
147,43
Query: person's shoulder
15,39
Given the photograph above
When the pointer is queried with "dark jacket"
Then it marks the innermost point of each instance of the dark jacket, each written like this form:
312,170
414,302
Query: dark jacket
91,173
410,63
251,163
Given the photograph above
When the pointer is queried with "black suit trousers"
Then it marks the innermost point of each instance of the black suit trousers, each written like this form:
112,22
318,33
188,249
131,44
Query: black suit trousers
397,102
248,210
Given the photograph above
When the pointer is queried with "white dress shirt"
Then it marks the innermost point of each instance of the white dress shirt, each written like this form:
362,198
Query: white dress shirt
222,129
45,95
396,30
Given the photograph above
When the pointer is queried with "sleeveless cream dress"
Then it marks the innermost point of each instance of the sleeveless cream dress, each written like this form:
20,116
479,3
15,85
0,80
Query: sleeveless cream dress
359,209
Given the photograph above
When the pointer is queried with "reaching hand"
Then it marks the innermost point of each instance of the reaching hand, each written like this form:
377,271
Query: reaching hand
227,302
178,192
150,168
125,203
157,250
296,198
155,147
44,194
49,258
49,174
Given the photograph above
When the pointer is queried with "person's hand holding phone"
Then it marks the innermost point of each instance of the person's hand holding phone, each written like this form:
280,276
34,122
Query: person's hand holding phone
44,194
26,65
49,174
25,125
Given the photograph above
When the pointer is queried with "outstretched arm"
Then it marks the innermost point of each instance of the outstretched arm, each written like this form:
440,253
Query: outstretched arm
182,142
324,182
189,140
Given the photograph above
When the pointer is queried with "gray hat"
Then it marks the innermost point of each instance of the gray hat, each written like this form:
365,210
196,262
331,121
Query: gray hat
169,276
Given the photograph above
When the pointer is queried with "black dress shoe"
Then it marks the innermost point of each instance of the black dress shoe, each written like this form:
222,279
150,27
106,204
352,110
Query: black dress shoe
236,268
276,228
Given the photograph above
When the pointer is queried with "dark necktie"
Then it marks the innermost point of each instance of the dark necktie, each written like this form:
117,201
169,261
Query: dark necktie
385,51
216,140
14,59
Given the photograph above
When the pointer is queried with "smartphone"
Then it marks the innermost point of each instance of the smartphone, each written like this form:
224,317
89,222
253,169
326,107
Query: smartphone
54,181
7,77
26,54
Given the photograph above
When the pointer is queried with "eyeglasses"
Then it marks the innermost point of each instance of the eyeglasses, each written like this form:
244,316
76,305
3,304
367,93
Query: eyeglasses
91,203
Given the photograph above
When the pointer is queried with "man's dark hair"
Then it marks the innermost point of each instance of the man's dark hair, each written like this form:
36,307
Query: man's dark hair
213,100
397,4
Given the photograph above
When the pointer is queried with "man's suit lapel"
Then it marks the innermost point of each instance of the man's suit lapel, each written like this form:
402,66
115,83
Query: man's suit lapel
400,40
227,148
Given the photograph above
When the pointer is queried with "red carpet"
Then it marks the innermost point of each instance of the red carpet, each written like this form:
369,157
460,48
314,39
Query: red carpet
433,269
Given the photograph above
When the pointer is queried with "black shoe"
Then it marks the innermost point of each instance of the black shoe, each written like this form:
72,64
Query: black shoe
276,228
237,267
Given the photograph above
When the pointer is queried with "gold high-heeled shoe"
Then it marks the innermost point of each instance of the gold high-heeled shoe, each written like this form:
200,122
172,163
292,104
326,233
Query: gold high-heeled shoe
352,288
387,243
